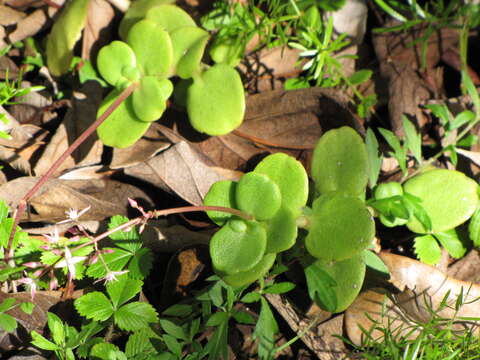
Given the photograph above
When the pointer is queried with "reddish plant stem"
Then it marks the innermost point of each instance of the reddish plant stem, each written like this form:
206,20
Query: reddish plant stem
151,214
23,203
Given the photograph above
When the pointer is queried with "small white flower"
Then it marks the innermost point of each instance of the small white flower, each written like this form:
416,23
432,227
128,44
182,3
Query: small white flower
30,284
70,262
73,215
111,276
54,237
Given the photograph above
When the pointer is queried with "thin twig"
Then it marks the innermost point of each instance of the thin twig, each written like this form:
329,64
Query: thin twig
23,202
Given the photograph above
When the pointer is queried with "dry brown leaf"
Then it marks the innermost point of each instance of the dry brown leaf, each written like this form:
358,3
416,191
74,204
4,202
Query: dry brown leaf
150,144
279,120
9,16
58,196
184,268
162,237
319,339
423,288
81,115
180,170
100,15
29,25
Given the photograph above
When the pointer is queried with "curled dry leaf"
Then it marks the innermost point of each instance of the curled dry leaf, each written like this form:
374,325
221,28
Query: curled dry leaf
9,16
29,25
424,291
58,196
290,121
150,144
179,169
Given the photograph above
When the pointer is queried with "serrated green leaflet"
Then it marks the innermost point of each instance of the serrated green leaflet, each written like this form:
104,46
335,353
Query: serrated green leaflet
427,249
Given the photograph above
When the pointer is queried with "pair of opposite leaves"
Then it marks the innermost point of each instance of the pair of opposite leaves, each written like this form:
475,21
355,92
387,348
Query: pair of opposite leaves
166,43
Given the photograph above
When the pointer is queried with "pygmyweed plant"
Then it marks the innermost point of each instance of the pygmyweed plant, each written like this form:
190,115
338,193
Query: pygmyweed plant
164,42
340,227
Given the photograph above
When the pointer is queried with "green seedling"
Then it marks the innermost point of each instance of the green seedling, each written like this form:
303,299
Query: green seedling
241,250
448,196
164,43
340,226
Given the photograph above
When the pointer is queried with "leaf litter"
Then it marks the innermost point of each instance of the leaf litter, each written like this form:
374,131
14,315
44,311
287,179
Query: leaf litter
276,120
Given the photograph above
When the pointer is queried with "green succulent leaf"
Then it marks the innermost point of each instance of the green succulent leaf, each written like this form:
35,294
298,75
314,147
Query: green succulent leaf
211,109
227,51
474,228
256,194
149,100
321,286
137,11
188,47
427,249
152,47
247,277
349,275
113,59
281,231
340,162
222,193
122,128
341,227
65,32
238,246
290,176
448,197
170,17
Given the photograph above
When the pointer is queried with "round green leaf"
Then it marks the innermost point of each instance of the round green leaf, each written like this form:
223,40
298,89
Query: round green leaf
137,11
257,195
170,17
149,100
113,59
340,162
349,275
247,277
238,246
188,46
122,128
341,227
222,193
448,197
290,176
281,231
152,47
66,31
389,189
227,51
216,101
